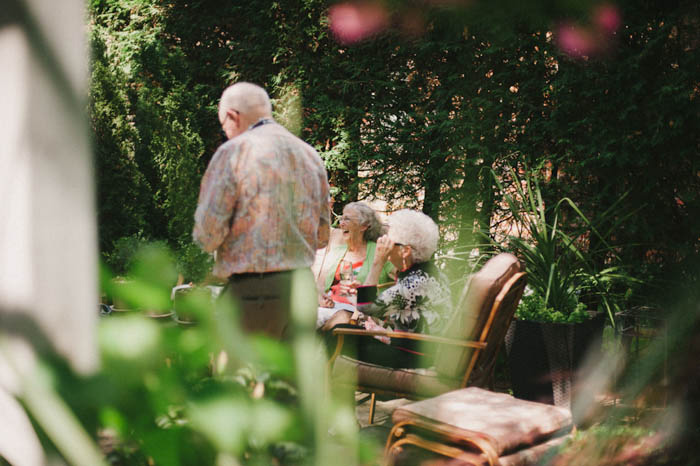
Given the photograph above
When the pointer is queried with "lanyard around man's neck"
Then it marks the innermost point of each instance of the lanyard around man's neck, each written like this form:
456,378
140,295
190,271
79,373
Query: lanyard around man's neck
260,122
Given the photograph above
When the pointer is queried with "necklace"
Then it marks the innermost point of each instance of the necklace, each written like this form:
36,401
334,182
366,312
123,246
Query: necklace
356,255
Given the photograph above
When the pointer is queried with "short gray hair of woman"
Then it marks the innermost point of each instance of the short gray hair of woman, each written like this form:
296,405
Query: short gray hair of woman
415,229
367,217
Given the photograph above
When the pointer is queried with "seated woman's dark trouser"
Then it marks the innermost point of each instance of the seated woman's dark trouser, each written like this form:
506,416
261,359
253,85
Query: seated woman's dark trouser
264,299
400,353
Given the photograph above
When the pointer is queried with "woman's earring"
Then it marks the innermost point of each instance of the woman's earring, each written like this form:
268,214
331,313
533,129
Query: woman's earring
404,267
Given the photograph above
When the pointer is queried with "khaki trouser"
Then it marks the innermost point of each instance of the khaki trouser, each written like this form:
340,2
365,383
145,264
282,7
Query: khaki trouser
264,299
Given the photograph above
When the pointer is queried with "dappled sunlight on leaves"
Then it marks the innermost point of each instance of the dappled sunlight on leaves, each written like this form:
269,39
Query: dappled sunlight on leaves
288,108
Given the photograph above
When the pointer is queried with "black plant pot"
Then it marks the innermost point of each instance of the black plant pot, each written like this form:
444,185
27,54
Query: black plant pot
545,358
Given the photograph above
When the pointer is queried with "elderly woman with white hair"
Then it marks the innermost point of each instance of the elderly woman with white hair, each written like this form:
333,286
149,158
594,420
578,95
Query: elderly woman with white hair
420,300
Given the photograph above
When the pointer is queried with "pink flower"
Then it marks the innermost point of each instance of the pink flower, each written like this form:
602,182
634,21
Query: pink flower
353,22
607,17
575,40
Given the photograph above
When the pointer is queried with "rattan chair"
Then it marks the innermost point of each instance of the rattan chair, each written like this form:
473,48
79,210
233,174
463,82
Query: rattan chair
465,355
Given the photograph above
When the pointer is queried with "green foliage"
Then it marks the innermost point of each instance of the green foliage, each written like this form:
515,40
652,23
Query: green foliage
169,398
558,257
125,250
193,263
532,307
122,190
613,443
627,124
420,121
164,111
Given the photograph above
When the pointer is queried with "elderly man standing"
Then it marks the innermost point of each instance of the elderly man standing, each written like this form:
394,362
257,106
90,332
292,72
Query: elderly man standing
263,207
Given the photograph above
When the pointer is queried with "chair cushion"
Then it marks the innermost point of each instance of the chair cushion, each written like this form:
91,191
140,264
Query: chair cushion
473,311
410,382
509,424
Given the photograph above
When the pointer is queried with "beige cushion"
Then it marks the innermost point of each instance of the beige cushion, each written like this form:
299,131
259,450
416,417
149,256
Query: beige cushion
412,382
471,315
508,424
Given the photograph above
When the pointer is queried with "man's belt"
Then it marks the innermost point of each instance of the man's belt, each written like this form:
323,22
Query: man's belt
259,275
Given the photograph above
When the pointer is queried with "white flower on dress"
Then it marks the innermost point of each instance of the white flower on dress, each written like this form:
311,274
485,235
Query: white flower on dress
417,300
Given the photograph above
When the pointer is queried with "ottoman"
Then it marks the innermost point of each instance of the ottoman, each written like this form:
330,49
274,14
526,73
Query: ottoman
479,427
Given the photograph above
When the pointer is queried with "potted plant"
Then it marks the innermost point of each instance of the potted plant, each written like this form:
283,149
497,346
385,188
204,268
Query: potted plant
568,296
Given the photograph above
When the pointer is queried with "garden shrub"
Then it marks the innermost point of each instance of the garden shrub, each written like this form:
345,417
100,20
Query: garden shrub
193,263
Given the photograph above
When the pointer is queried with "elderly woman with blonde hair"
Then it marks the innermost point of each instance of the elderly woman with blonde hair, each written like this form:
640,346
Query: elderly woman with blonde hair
420,300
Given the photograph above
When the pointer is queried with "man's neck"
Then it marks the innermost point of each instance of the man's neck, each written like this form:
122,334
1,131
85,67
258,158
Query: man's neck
261,121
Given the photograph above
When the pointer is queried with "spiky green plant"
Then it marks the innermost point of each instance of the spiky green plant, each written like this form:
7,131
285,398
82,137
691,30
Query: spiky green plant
561,266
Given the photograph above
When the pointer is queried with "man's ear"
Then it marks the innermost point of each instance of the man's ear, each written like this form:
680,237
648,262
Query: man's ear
234,116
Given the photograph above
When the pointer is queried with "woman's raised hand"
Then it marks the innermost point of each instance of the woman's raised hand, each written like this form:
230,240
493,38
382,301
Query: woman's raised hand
384,247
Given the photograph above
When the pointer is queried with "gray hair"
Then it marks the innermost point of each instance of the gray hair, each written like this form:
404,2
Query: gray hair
368,217
415,229
246,98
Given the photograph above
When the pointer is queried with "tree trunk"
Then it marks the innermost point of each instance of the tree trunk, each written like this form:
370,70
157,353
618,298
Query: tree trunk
431,185
468,207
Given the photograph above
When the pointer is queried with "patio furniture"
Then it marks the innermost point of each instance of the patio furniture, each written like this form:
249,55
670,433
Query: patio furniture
465,355
477,427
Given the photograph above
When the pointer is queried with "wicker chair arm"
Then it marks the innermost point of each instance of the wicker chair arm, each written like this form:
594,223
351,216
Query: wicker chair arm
409,336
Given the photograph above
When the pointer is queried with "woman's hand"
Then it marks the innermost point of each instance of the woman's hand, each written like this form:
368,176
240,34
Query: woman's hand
384,247
348,289
381,256
324,300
